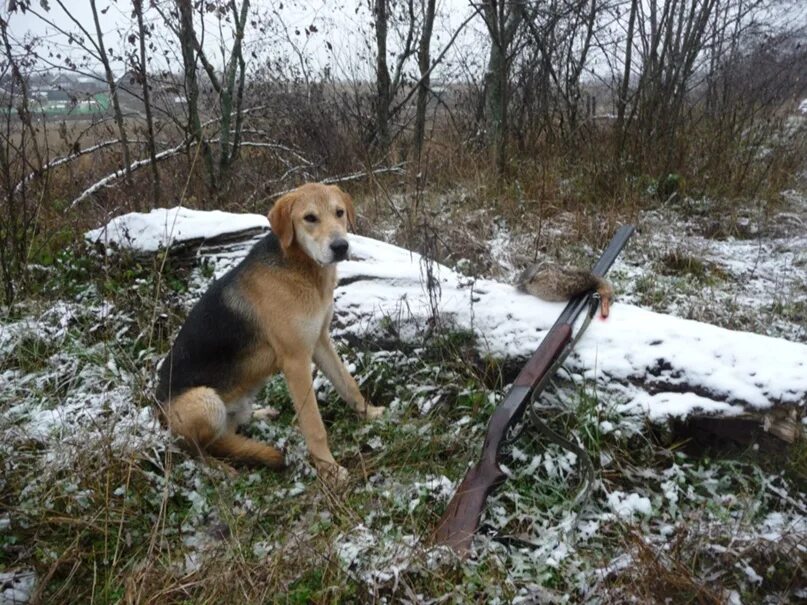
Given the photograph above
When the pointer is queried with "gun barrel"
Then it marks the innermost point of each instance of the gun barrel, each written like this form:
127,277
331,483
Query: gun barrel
461,518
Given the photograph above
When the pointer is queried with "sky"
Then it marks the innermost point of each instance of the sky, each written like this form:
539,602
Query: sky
338,43
277,36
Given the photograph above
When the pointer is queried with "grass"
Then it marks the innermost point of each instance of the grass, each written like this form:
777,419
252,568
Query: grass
154,526
106,509
680,263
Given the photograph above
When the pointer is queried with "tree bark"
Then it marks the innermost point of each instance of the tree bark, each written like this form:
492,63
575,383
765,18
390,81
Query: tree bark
424,56
187,42
228,95
383,81
152,147
622,97
113,91
502,20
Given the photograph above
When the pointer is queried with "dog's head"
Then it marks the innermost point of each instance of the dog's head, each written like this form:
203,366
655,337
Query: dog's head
314,219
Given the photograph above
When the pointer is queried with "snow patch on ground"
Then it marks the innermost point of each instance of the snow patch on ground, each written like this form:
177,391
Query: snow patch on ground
16,586
757,282
627,506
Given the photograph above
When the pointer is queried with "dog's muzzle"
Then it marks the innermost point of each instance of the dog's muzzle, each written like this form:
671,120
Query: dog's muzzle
339,247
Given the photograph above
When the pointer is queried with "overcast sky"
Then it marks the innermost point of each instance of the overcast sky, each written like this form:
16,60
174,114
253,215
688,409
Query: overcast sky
339,42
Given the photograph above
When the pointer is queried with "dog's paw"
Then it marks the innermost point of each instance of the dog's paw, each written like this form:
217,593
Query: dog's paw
266,413
333,475
372,412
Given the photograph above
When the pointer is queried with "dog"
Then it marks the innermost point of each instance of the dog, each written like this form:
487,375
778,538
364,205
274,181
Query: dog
271,313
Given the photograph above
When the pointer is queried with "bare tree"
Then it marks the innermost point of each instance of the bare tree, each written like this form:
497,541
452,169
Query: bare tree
673,35
19,153
228,86
110,79
388,84
95,46
502,20
424,59
561,34
141,64
624,87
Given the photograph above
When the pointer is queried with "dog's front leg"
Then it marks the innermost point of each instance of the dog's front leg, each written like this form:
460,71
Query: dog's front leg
298,376
327,360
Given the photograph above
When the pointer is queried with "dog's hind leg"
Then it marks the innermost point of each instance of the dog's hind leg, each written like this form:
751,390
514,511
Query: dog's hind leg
200,418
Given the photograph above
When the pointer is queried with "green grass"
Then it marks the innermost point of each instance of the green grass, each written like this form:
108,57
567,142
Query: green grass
30,354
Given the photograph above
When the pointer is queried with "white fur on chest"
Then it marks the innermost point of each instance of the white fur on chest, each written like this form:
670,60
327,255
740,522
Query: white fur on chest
311,326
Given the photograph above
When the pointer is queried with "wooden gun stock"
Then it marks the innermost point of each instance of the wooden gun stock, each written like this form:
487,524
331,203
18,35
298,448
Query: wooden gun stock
460,520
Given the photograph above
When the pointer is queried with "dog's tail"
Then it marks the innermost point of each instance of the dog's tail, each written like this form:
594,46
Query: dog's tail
238,448
200,418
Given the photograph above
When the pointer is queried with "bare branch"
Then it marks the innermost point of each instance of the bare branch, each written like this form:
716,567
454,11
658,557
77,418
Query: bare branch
354,176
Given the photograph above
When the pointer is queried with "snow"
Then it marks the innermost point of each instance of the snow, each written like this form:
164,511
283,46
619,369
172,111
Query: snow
756,281
665,366
16,587
160,228
359,551
627,506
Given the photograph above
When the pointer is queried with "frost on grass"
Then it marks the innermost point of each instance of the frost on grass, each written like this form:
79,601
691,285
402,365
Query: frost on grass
627,506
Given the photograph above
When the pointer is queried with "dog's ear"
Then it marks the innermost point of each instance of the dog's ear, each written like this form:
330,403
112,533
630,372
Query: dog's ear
349,208
280,219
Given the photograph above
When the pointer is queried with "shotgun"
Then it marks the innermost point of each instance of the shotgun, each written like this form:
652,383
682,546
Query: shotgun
460,520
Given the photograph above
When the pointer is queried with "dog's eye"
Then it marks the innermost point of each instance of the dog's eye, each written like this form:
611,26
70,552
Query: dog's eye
340,213
311,218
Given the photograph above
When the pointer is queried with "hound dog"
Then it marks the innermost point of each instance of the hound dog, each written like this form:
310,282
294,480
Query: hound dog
270,313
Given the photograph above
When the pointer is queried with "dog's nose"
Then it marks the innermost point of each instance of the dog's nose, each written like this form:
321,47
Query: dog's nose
339,248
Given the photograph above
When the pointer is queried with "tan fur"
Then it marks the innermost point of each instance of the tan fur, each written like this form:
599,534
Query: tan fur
554,283
293,304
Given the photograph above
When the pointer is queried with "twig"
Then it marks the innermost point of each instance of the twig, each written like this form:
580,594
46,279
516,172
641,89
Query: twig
276,146
64,160
110,178
107,180
397,169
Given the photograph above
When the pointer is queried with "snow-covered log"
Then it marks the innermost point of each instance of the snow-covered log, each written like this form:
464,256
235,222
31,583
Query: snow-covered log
664,365
177,228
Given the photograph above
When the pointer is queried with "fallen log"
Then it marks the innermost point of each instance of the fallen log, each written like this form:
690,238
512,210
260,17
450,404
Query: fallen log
664,366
